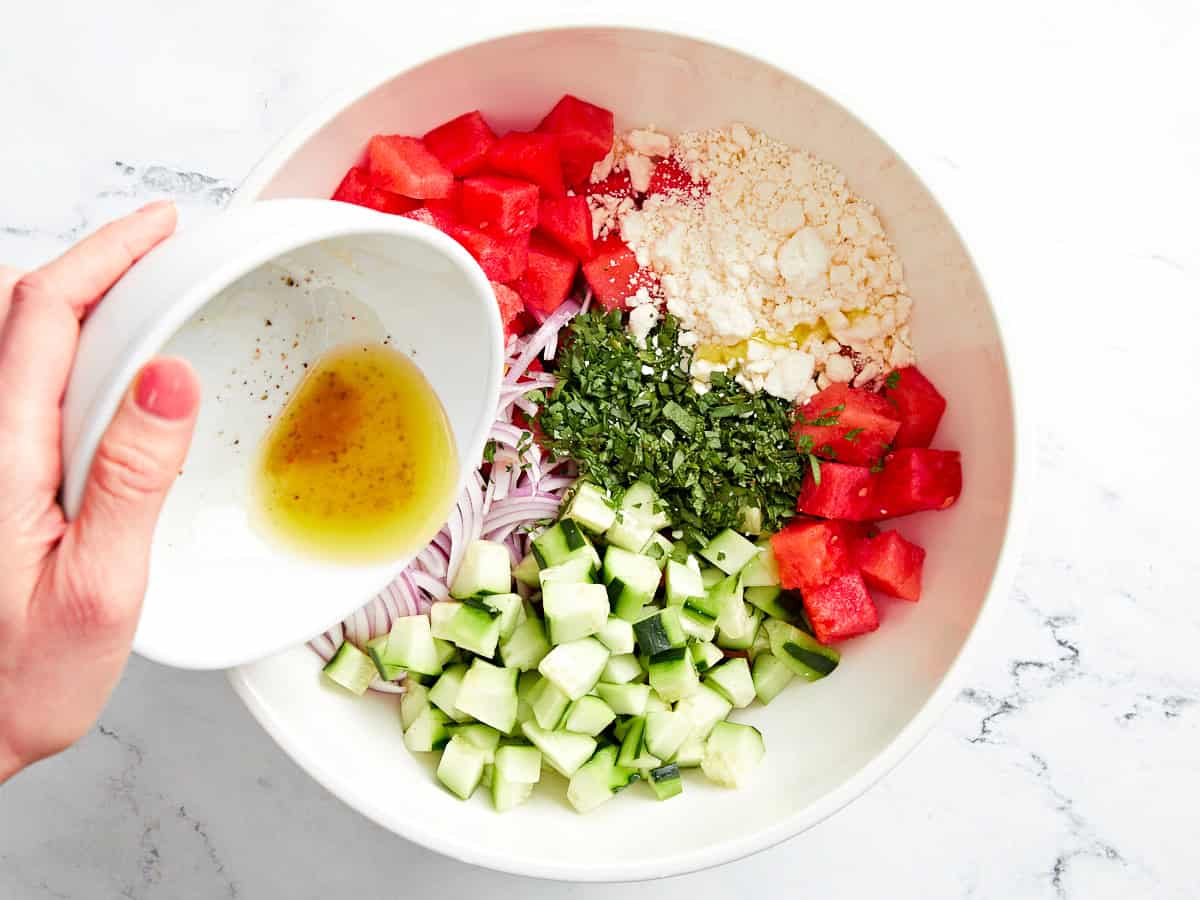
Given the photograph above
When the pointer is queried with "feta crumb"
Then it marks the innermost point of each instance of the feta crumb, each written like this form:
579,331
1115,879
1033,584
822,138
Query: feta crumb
648,143
640,169
642,319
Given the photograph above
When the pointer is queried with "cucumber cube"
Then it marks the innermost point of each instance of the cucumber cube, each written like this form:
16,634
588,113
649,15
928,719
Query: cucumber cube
744,640
574,611
625,699
690,754
732,680
444,692
591,783
557,543
703,709
512,611
800,651
731,753
489,693
769,598
580,569
621,668
575,667
486,569
461,767
414,699
655,703
629,533
659,631
564,751
409,645
666,732
519,763
706,655
763,570
427,731
642,503
350,668
696,625
507,794
770,676
485,738
526,646
588,715
527,570
591,508
665,781
682,582
672,674
473,625
729,552
616,635
548,704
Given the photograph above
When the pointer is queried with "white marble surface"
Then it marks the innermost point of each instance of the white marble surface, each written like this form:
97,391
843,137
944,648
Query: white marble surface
1065,138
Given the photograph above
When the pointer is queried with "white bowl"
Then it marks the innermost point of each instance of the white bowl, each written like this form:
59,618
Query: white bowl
826,742
247,297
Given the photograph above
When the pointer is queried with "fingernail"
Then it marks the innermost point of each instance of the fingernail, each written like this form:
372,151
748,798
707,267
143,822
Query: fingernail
167,388
156,205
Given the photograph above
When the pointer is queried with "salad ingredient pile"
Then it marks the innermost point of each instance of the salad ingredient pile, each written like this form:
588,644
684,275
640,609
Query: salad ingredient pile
709,402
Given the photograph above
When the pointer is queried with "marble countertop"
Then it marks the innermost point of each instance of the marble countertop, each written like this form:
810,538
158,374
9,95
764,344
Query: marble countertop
1067,145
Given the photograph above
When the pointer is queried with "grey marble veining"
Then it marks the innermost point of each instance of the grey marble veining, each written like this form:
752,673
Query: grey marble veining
1069,764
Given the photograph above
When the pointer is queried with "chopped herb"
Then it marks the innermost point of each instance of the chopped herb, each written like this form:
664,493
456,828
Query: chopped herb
893,379
536,396
852,434
814,466
489,451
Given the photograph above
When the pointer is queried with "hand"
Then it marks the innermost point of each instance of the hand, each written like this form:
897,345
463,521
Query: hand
70,592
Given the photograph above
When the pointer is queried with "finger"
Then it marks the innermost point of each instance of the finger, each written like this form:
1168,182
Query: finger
8,279
101,564
38,342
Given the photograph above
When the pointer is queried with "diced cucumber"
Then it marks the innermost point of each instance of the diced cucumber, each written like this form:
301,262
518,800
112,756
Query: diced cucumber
521,764
580,569
732,679
446,651
512,611
729,552
470,625
673,675
768,598
801,652
659,549
591,508
762,644
621,668
666,732
665,781
639,572
409,645
690,754
634,754
745,640
527,570
659,631
588,715
414,699
750,520
622,777
625,699
444,692
461,766
427,731
706,655
710,576
548,703
557,543
642,503
565,751
574,611
763,570
733,619
629,533
625,602
575,667
350,668
696,625
655,703
682,582
508,794
770,676
484,737
526,646
376,648
731,753
489,693
526,682
617,635
703,709
591,784
486,569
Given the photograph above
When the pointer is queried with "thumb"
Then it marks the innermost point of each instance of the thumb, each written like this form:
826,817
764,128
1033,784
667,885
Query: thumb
139,457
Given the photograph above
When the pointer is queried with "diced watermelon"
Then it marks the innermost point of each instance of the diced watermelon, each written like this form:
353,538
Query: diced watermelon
405,166
462,144
857,424
811,553
617,184
918,404
530,156
511,308
915,479
614,274
891,564
841,608
547,279
670,176
424,216
568,222
585,135
445,210
501,258
845,492
499,204
357,188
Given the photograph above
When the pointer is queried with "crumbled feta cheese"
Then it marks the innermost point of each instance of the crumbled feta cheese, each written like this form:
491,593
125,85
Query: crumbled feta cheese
803,259
642,319
640,169
648,143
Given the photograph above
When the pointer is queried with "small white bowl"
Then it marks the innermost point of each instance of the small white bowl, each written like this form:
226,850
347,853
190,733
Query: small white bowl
248,297
826,742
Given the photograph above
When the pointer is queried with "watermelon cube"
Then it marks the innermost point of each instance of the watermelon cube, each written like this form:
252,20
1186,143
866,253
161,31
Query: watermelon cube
501,258
357,188
845,492
671,176
918,404
617,184
531,157
442,214
548,278
915,479
585,135
511,308
568,222
841,608
614,274
891,564
405,166
462,144
851,425
811,553
499,204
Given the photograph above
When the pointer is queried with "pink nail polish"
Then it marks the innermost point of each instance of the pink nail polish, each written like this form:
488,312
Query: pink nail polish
167,388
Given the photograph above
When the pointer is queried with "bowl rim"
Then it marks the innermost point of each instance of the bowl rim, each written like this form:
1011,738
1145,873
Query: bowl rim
910,735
